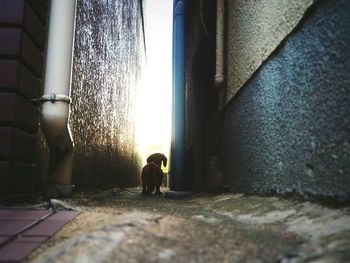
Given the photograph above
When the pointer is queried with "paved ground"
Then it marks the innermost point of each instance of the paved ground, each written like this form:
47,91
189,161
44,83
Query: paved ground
124,226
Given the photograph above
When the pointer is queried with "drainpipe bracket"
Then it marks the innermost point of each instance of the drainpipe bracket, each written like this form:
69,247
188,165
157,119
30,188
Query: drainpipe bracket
180,8
55,97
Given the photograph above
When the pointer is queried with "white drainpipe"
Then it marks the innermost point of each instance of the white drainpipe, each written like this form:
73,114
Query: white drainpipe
220,49
56,98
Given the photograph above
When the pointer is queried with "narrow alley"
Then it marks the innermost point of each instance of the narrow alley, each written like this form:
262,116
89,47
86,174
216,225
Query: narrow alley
246,100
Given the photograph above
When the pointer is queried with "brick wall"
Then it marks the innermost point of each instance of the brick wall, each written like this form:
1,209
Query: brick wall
23,26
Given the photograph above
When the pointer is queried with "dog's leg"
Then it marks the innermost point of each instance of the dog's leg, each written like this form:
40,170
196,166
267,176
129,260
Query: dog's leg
151,189
144,180
159,182
158,192
143,188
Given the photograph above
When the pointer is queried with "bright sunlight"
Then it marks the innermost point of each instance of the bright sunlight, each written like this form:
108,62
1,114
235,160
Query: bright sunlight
153,121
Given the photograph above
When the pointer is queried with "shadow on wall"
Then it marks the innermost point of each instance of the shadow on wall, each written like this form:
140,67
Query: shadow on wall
203,119
107,168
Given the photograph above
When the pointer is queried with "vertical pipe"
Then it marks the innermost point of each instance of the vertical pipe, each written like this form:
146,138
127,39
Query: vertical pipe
178,180
220,55
171,176
219,61
55,101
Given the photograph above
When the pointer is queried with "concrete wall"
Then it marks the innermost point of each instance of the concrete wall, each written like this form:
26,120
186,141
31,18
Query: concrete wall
288,129
108,55
254,30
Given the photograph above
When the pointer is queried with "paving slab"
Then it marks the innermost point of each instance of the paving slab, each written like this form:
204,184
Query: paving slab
23,230
12,226
17,251
23,214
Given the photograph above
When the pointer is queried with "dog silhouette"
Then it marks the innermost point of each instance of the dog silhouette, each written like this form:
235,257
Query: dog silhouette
152,174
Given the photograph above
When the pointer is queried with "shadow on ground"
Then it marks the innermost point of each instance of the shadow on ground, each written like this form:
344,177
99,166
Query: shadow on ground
121,225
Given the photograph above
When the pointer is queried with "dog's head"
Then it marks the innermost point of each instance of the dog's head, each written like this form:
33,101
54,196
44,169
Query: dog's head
158,158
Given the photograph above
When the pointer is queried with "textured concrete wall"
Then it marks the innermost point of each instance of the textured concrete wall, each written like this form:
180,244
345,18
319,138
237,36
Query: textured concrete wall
255,28
288,129
107,63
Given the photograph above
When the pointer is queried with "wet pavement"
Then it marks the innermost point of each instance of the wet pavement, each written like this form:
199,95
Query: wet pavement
124,226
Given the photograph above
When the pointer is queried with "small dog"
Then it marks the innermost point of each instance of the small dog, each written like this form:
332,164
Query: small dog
152,174
152,177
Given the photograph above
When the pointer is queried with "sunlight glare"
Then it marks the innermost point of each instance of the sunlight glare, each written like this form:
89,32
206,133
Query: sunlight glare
153,123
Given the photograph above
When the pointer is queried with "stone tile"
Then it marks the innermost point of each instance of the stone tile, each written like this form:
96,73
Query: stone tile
63,215
17,251
45,228
22,214
12,226
32,239
3,238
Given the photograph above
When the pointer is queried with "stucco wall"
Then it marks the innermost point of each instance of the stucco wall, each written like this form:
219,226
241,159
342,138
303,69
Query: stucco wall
255,28
107,63
288,129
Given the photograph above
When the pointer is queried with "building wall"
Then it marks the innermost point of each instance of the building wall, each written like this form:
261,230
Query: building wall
254,30
108,57
287,130
108,54
22,44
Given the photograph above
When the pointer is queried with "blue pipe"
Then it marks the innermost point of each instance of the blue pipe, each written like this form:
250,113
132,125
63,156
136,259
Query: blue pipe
178,177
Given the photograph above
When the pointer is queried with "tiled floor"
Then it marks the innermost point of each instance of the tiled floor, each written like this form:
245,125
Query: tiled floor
27,229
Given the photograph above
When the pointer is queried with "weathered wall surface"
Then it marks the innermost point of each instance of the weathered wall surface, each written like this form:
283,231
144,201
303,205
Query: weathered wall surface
255,29
108,55
288,129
